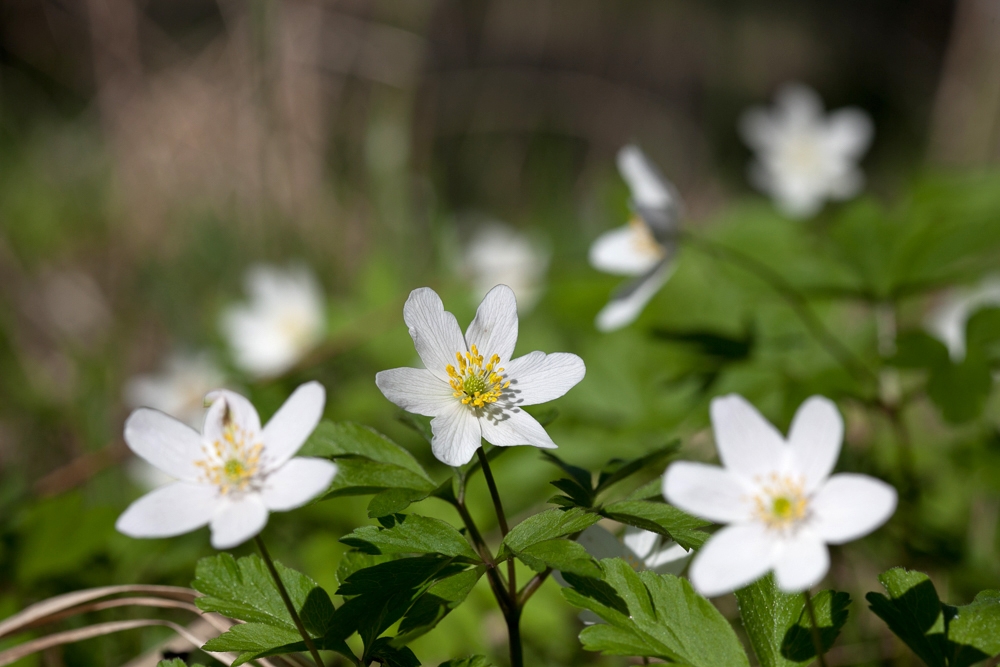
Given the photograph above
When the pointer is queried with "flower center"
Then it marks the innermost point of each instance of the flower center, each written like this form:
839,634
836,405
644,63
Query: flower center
232,462
643,240
781,503
802,153
476,383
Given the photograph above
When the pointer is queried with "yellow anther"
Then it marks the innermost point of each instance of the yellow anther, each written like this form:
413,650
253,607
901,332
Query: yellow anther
476,384
232,461
781,503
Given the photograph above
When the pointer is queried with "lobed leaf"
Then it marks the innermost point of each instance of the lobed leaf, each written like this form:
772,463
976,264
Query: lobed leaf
661,518
546,525
560,554
410,534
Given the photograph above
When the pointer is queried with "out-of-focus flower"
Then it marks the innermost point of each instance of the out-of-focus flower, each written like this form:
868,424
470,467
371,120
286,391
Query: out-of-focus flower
470,385
498,254
232,474
644,247
947,321
805,156
777,496
179,389
283,321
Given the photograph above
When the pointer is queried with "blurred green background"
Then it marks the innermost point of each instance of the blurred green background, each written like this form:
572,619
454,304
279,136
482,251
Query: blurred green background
151,151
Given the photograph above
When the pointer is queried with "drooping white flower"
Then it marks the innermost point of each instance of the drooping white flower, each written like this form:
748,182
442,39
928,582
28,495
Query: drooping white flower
498,254
804,156
947,321
644,247
230,475
283,321
777,496
470,384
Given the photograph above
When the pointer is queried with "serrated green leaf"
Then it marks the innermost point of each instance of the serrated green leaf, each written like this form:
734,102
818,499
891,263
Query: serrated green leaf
664,618
392,501
471,661
576,494
546,525
660,518
974,630
440,599
560,554
580,476
252,637
913,612
358,476
243,589
618,470
651,489
778,623
411,534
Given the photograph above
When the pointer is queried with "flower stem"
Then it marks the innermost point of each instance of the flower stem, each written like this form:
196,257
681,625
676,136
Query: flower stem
288,602
795,299
514,636
814,629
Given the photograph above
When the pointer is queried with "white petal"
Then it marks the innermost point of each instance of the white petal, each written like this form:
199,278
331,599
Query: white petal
623,251
238,520
669,560
296,483
601,543
494,329
509,428
801,562
457,435
168,444
849,132
435,331
640,542
814,437
170,510
292,424
732,558
538,377
846,184
416,390
644,180
748,444
709,492
229,405
850,506
799,104
622,311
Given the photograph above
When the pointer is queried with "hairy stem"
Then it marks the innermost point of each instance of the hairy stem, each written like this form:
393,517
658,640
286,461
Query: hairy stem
814,629
288,602
792,297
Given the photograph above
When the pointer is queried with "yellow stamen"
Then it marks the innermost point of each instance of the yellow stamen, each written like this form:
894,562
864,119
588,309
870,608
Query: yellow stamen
475,383
643,240
782,502
231,462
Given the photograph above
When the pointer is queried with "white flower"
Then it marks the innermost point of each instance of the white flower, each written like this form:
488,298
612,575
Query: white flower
469,384
180,389
645,247
497,254
805,157
778,497
231,475
284,320
947,321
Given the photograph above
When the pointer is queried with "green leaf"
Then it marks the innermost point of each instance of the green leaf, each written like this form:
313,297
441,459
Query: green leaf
974,630
651,489
660,518
471,661
663,618
412,533
419,423
546,525
579,486
982,332
393,501
917,349
778,623
960,390
560,554
243,589
440,599
618,469
176,662
383,652
913,612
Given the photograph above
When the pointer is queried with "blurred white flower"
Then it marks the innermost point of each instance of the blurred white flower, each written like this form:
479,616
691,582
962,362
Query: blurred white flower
179,389
498,254
782,505
283,321
947,321
232,474
804,156
470,385
644,247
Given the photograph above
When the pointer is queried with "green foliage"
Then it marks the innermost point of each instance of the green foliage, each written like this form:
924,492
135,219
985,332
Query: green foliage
176,662
940,635
959,389
579,488
411,534
560,554
660,518
657,616
471,661
779,626
547,525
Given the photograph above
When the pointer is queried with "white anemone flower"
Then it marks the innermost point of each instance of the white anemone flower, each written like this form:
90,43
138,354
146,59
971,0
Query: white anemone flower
283,321
804,156
947,321
230,475
470,384
777,496
498,254
645,247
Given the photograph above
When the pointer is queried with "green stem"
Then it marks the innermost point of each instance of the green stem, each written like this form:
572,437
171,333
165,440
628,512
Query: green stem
814,629
792,297
514,635
288,602
484,462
